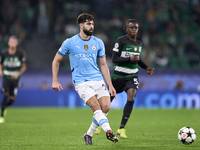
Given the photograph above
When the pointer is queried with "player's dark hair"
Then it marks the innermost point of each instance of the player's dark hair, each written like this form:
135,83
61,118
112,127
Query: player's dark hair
84,17
128,21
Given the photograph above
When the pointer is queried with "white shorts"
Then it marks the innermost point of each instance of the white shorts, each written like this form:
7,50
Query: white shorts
90,88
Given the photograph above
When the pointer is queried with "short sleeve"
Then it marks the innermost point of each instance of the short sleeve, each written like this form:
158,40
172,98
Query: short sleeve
101,52
65,48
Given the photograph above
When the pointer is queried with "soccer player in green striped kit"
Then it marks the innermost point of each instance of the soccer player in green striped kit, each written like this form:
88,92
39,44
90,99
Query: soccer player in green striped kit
12,66
126,57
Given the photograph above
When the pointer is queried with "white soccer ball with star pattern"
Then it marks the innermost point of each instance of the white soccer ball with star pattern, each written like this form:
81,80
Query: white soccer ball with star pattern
187,135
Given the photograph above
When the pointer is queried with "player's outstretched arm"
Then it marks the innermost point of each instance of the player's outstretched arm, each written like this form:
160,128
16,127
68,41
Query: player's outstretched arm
55,67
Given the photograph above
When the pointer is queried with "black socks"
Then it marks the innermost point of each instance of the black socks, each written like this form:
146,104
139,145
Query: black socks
10,102
126,113
5,104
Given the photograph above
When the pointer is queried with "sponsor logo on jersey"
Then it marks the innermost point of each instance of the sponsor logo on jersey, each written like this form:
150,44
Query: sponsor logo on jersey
94,47
86,47
128,54
135,49
84,55
12,62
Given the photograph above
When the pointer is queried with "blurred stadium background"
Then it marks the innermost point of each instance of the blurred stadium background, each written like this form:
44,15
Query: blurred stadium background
169,28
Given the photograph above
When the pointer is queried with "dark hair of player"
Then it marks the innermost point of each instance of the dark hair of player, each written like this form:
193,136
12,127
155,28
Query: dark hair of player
84,17
128,21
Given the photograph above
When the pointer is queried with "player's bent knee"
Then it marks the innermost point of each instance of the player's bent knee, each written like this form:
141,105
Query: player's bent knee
105,109
132,99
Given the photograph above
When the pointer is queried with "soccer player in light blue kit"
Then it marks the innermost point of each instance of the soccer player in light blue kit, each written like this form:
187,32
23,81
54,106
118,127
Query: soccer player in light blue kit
88,79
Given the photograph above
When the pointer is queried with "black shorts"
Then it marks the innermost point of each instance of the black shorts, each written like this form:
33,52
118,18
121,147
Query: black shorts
10,86
123,84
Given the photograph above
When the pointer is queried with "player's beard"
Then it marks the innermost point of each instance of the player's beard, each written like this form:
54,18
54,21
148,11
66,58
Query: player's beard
87,32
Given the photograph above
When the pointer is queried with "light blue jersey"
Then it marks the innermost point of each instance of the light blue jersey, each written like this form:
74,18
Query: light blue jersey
83,56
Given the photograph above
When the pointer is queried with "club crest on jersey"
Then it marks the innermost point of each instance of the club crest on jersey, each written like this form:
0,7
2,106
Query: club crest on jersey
135,49
94,47
86,47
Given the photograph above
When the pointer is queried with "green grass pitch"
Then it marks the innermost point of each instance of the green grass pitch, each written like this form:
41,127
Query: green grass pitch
62,129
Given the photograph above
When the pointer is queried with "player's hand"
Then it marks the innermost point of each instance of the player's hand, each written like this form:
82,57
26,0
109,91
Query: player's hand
57,86
149,70
135,58
15,76
112,91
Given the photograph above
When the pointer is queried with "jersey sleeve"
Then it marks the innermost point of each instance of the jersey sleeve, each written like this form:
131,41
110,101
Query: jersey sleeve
116,53
142,64
65,48
101,52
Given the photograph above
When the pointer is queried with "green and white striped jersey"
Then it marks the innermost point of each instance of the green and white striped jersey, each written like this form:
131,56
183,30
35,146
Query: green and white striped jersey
123,49
11,64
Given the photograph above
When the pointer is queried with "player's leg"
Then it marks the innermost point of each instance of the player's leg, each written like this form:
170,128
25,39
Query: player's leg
12,94
88,92
11,101
5,90
3,104
102,91
99,119
98,129
88,135
131,93
9,89
103,98
105,106
94,125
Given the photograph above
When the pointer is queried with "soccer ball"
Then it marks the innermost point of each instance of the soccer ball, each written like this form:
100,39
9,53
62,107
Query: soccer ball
187,135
